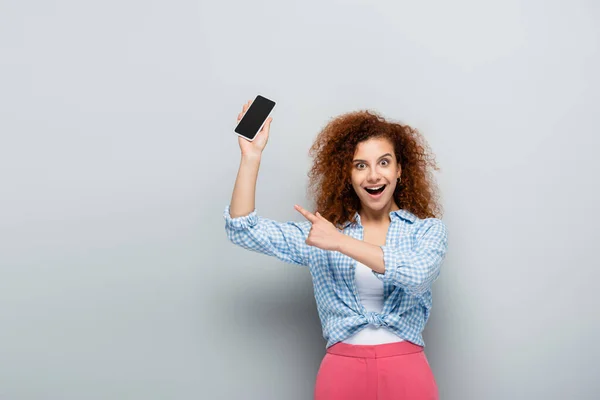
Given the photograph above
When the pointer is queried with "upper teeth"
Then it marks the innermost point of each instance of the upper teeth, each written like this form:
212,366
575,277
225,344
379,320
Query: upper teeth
376,188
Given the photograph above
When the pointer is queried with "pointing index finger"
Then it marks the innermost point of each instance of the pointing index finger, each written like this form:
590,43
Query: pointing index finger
307,214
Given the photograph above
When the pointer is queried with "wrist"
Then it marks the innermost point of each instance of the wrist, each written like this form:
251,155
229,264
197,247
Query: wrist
342,243
251,158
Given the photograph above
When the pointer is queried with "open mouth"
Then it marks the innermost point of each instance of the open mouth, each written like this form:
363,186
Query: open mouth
377,191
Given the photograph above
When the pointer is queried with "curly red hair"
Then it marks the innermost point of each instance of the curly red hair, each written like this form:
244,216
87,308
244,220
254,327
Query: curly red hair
334,148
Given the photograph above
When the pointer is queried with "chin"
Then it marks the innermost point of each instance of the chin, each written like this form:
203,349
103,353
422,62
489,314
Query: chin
376,205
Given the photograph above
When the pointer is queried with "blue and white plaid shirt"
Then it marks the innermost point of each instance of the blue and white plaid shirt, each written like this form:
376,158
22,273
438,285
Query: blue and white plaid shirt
414,251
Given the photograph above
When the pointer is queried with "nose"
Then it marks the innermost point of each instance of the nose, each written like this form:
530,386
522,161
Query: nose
373,176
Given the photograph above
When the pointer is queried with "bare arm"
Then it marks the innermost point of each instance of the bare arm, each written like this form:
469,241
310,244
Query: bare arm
244,191
244,227
414,269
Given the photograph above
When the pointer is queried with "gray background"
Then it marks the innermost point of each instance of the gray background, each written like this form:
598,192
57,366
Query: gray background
117,158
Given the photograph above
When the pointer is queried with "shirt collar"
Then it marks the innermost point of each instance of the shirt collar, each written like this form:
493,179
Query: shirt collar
397,214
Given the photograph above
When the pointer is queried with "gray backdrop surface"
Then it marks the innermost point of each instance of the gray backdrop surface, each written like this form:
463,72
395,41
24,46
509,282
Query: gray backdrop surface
117,159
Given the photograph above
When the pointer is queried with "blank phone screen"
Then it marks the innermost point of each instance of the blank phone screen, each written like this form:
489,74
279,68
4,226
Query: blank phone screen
254,117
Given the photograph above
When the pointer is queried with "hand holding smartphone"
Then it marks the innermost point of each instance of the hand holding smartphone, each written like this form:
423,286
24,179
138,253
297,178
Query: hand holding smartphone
254,124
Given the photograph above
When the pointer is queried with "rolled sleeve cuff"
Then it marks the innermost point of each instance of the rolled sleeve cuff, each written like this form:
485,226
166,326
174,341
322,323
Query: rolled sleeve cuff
240,223
391,261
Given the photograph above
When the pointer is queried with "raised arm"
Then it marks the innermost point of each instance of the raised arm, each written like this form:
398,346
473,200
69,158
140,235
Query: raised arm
244,191
284,240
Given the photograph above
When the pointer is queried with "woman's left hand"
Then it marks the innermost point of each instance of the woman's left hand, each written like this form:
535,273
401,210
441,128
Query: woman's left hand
323,234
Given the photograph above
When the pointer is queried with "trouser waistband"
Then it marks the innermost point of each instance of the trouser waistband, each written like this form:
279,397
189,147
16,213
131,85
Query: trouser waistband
374,351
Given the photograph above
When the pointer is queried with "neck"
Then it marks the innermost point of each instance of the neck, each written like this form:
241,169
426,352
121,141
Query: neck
375,217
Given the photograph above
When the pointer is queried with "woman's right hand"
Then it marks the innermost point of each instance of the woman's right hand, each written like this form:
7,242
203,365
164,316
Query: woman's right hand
255,147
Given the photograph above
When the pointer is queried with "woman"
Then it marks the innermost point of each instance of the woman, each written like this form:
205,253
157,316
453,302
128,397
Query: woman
373,248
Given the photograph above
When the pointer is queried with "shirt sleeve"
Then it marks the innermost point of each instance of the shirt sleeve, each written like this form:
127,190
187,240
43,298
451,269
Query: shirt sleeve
284,240
415,270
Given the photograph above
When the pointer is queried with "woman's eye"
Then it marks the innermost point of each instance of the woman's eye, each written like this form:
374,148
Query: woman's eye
361,164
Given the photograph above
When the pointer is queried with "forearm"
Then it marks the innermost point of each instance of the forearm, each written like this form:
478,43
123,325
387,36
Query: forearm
245,228
415,268
368,254
413,272
244,190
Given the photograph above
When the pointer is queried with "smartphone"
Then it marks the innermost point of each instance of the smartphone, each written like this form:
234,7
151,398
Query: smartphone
255,117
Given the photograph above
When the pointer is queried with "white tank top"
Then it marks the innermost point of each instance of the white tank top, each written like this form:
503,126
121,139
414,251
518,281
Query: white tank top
370,290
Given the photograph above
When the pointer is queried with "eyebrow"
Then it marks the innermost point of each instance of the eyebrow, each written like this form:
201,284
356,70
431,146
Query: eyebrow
386,154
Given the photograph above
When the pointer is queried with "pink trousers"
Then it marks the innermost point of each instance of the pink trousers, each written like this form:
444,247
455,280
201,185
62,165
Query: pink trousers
375,372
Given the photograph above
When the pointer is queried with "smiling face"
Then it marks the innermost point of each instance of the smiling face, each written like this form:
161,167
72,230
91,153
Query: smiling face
374,165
